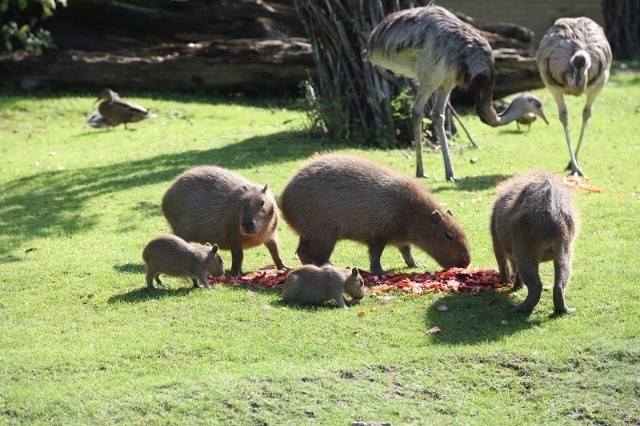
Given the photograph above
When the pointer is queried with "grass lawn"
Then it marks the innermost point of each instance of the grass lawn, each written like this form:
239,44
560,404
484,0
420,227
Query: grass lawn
83,342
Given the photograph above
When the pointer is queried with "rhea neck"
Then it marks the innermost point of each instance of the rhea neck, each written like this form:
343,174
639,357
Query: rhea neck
482,87
577,76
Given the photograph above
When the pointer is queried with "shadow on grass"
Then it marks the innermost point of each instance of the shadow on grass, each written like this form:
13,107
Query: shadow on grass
142,294
486,317
51,203
131,268
473,183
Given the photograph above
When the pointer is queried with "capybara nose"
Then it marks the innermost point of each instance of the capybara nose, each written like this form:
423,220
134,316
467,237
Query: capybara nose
248,227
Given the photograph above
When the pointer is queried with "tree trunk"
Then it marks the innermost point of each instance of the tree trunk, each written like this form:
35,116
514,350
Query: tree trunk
622,26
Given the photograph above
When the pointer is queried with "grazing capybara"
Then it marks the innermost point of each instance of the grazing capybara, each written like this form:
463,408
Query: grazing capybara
534,220
314,285
209,203
171,255
335,197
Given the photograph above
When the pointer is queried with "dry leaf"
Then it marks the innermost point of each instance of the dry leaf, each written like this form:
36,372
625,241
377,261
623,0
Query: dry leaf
361,314
434,330
442,308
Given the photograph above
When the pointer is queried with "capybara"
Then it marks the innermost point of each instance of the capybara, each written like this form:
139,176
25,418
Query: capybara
310,284
171,255
534,220
335,197
209,203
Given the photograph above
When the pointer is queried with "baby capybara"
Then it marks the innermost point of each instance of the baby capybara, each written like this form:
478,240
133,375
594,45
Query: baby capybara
335,197
310,284
209,203
171,255
534,221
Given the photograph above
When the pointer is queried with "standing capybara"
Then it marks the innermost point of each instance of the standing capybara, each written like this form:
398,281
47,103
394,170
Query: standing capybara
174,256
209,203
335,197
315,285
534,221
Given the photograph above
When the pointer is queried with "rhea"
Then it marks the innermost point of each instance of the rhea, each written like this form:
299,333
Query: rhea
439,51
574,57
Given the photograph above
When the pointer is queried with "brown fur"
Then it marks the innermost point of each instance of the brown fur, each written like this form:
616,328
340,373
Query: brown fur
534,220
174,256
209,203
337,197
315,285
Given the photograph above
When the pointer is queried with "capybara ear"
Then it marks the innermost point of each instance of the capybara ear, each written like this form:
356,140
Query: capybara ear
264,190
436,217
214,248
354,272
450,212
207,244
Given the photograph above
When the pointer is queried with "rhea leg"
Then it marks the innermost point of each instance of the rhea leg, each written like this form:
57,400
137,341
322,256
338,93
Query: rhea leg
417,115
442,97
563,115
586,114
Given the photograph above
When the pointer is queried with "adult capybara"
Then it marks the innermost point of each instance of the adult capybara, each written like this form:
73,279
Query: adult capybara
171,255
335,197
534,220
209,203
315,285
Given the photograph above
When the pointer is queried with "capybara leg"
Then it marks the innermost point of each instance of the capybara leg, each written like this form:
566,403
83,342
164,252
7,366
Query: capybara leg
528,271
375,252
340,299
517,285
503,265
202,277
150,276
272,246
195,282
562,267
236,261
320,251
303,252
405,251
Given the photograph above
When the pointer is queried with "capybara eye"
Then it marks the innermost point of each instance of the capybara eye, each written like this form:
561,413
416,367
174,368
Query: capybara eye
449,235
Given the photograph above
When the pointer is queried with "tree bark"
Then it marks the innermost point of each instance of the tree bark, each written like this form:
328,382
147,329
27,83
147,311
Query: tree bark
622,26
243,65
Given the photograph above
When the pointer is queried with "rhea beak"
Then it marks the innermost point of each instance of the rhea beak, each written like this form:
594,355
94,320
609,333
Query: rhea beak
541,115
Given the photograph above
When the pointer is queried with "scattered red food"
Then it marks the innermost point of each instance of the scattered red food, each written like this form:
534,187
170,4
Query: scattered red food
457,280
579,183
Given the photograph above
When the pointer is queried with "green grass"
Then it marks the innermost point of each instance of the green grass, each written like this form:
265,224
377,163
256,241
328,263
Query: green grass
82,342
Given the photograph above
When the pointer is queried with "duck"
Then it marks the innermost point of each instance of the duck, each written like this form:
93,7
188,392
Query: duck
113,111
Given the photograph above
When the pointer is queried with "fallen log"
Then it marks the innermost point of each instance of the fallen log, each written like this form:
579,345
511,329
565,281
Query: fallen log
244,65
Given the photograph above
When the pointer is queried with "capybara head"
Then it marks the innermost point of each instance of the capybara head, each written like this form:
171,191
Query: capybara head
445,240
213,262
258,209
354,285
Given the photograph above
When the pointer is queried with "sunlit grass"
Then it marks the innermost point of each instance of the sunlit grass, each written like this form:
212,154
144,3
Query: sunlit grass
83,342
